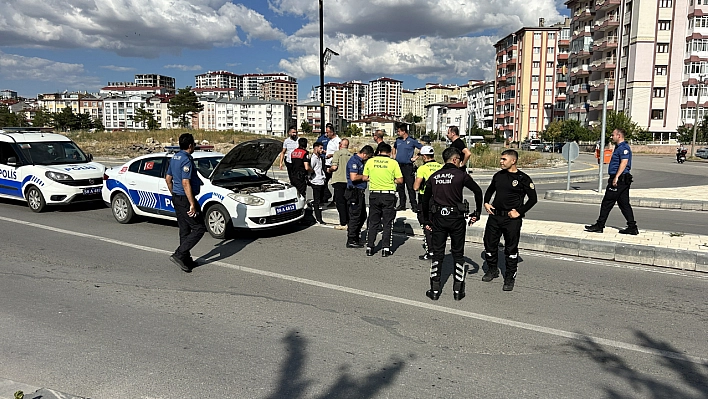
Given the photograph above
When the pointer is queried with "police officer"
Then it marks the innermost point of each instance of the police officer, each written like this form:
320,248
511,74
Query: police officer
511,186
444,213
422,175
382,173
617,190
356,195
404,153
184,183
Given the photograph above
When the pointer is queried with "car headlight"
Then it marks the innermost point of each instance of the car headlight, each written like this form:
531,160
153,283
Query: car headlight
247,199
56,176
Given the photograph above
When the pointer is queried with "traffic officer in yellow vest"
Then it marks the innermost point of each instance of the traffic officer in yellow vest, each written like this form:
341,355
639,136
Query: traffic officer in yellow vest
383,173
422,175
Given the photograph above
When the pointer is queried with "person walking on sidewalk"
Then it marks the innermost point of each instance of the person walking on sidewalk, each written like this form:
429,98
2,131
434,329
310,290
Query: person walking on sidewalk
444,211
421,177
453,134
404,153
339,182
184,184
509,187
617,190
382,173
356,195
317,181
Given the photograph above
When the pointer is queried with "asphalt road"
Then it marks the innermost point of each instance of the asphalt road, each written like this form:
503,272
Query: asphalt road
95,308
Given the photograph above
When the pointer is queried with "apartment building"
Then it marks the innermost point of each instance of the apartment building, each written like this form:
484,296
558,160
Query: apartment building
281,90
530,85
433,93
8,95
310,112
408,101
480,105
248,114
80,103
385,97
439,116
217,79
350,98
131,89
647,53
371,124
251,83
156,80
119,111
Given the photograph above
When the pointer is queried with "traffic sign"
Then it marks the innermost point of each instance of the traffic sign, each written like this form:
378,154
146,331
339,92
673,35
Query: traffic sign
570,151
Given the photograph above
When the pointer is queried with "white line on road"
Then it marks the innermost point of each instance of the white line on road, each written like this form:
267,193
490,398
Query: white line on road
388,298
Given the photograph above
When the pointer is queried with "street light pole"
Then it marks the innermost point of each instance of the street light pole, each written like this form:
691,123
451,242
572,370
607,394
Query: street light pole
695,120
322,88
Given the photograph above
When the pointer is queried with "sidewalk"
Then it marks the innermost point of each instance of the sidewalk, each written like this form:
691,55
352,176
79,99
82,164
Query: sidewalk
694,198
654,248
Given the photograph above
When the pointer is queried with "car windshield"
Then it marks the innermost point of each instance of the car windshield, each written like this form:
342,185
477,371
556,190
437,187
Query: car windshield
52,153
206,165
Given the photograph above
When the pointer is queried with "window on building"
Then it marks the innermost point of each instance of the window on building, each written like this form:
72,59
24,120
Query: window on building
664,47
659,92
549,64
699,22
625,30
664,25
551,36
550,50
665,3
534,106
549,78
534,92
535,64
657,114
534,78
623,73
536,50
537,36
660,70
533,119
549,92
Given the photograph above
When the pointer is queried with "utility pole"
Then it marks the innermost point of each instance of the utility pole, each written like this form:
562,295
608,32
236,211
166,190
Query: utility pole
602,139
701,77
322,88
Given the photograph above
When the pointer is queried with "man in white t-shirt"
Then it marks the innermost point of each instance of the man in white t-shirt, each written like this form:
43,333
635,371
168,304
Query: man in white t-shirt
332,147
289,145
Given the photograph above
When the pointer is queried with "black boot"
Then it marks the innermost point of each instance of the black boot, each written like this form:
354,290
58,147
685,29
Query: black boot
633,230
458,290
491,274
434,291
594,228
508,284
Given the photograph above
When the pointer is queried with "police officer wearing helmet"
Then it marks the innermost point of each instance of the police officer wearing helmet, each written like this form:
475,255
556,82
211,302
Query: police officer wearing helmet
423,173
184,184
509,187
444,212
383,173
617,190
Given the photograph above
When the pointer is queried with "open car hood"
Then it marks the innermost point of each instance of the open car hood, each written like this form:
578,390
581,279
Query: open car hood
259,154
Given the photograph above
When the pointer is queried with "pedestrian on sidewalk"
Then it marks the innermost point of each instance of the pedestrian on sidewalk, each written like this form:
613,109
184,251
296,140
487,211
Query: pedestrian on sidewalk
356,195
404,153
509,186
421,177
184,184
617,190
453,134
382,173
339,182
444,210
300,164
317,181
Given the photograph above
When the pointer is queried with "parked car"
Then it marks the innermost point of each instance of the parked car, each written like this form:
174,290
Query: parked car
702,153
236,192
532,145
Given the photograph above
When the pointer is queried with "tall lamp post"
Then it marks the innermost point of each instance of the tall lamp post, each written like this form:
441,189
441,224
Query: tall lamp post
325,55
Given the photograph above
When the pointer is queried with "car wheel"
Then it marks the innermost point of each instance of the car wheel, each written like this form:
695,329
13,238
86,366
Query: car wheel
122,209
35,199
218,221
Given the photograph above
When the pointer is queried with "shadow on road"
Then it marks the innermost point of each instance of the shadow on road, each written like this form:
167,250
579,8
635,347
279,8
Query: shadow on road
292,383
694,376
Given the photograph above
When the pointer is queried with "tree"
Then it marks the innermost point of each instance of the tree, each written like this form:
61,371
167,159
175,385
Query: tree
184,103
65,119
98,125
352,131
553,131
84,121
42,118
8,118
618,120
306,127
410,118
147,117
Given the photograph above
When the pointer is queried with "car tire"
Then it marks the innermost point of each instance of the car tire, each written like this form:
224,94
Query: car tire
218,221
122,209
35,199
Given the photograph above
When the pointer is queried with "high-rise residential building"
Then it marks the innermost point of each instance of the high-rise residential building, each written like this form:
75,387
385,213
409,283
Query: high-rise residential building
8,95
217,80
433,93
154,80
480,104
281,90
310,112
385,97
647,53
530,84
251,83
408,102
279,85
247,114
349,98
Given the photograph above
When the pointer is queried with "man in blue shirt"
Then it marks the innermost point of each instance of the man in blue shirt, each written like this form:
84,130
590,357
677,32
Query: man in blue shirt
404,153
184,184
617,187
356,196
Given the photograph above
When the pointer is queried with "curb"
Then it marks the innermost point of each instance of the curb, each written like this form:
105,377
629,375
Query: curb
641,202
581,247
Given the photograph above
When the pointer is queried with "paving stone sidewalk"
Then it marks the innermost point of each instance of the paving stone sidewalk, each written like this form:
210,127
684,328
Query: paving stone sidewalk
694,198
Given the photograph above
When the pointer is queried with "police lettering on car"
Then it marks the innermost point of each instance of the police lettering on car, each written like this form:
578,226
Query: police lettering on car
509,187
444,212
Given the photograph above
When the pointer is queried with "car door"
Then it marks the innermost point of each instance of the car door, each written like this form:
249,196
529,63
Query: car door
164,195
10,175
143,182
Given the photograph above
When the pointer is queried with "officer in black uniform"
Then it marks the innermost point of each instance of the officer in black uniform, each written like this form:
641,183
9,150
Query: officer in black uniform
445,209
505,213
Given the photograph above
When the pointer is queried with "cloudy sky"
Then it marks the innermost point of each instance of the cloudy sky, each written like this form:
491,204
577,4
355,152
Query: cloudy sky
57,45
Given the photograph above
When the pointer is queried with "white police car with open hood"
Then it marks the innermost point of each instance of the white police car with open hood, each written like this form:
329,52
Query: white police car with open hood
46,169
236,191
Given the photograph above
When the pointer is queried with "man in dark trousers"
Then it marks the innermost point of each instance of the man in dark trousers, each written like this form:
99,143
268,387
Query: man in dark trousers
404,153
509,187
444,212
453,134
184,184
356,195
617,190
382,173
300,166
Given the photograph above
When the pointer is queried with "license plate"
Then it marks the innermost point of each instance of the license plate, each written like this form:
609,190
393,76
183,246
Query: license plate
92,190
285,208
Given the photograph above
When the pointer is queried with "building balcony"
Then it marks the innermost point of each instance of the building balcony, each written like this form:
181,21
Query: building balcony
563,56
609,42
563,42
584,31
583,14
606,23
599,85
607,4
597,105
604,64
580,70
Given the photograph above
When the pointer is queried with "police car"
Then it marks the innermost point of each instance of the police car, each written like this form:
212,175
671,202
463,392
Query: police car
236,192
46,169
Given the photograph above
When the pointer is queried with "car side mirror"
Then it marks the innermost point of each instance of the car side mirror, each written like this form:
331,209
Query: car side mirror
12,161
89,157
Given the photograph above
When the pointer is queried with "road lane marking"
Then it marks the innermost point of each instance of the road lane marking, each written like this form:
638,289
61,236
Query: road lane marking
388,298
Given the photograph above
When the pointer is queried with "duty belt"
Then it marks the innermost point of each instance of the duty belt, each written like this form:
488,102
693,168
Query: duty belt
383,191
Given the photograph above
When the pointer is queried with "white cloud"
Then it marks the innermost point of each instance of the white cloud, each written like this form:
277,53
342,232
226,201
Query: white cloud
61,74
144,28
117,68
184,67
